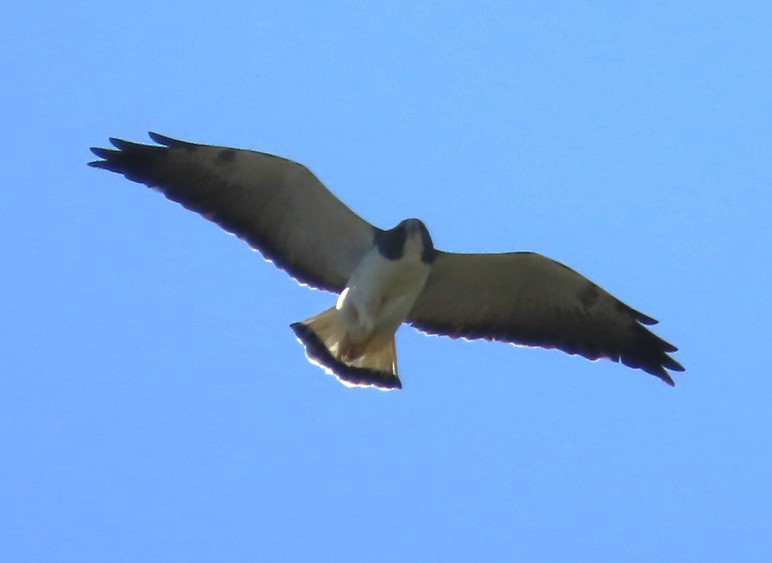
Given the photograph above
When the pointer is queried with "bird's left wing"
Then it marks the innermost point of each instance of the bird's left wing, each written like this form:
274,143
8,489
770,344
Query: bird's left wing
525,298
278,206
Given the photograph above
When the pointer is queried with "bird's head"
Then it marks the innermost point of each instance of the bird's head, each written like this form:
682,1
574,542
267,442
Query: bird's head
409,238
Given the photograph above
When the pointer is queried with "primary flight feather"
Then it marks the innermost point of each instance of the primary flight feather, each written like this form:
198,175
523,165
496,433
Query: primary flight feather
386,277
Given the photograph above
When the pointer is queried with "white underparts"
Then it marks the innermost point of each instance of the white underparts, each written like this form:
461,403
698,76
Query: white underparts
359,331
378,298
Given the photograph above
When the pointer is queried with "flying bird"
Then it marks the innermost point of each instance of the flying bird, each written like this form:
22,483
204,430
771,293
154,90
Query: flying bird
384,278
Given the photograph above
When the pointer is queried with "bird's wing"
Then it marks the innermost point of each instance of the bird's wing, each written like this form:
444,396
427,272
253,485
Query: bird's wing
277,206
525,298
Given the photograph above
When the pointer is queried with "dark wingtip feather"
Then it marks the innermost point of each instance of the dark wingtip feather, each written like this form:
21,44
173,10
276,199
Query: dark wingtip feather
658,372
168,141
649,352
158,138
638,316
110,159
643,319
121,144
98,164
104,154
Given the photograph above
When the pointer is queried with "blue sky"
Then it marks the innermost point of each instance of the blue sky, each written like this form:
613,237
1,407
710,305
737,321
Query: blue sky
154,403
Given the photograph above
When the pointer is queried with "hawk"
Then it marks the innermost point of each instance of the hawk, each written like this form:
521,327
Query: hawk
384,278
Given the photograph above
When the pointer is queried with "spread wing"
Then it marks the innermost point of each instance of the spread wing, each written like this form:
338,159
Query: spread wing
525,298
278,206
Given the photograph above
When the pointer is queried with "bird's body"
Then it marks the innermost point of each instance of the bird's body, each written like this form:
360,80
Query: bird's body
387,277
381,291
360,329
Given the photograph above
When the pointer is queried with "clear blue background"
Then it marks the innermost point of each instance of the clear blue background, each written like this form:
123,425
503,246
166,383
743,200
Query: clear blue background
155,406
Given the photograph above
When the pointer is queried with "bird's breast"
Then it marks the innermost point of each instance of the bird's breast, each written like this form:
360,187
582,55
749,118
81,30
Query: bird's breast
379,295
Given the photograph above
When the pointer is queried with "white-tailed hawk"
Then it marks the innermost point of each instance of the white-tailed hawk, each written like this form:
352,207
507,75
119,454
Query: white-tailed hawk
386,277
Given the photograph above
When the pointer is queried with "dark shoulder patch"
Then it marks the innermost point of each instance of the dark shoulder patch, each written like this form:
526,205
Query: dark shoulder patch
391,243
429,255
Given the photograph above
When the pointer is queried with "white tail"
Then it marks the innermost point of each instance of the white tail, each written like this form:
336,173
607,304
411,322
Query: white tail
325,341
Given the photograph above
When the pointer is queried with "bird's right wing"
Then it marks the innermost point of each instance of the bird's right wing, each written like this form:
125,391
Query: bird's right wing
278,206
